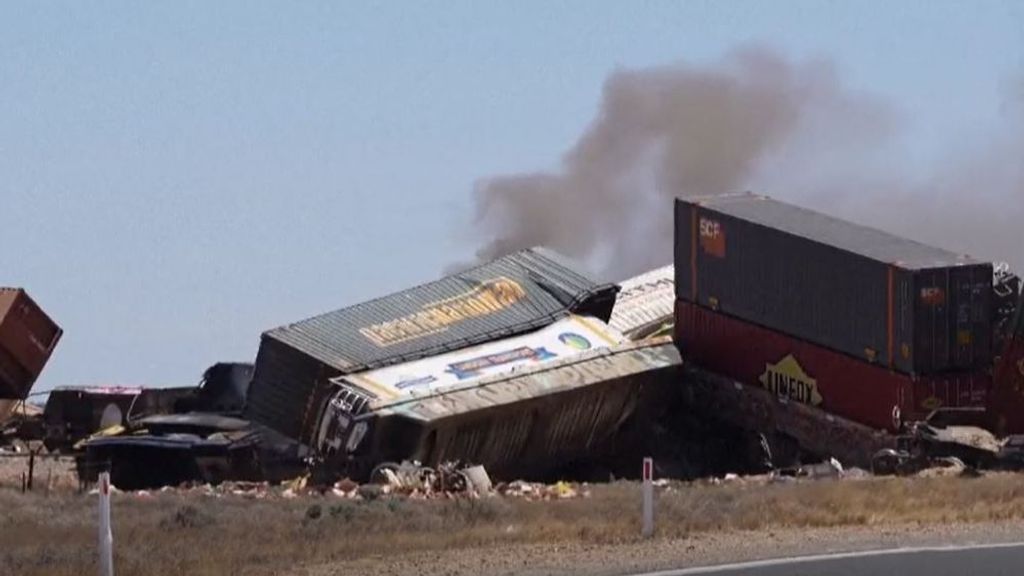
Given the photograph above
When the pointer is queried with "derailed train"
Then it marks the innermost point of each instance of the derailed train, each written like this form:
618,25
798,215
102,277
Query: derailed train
849,329
833,319
510,364
567,393
791,324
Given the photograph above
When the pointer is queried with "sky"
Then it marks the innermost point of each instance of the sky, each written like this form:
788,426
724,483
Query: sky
178,177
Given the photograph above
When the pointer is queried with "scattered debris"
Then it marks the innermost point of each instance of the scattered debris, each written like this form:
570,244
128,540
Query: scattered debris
828,469
167,450
75,413
947,438
478,479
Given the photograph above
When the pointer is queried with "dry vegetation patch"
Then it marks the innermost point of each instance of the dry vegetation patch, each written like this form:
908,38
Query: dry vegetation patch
177,533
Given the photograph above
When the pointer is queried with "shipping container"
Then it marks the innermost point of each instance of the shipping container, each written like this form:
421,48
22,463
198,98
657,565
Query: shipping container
804,372
517,422
875,296
514,294
27,339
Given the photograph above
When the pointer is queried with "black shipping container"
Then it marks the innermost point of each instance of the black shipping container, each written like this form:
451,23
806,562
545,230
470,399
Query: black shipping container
915,308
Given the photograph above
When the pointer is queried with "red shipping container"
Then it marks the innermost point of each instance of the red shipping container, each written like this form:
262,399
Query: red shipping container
839,384
27,339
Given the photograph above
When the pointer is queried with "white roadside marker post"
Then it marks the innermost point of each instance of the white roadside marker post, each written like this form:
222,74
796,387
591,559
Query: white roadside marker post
106,536
648,495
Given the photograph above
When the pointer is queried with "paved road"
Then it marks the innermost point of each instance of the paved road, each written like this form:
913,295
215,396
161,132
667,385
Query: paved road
980,560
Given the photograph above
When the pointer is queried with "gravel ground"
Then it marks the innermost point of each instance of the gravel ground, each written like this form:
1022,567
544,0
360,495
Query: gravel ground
661,554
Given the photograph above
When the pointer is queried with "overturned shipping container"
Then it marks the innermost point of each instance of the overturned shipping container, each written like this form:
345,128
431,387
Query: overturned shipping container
873,296
27,339
512,295
519,406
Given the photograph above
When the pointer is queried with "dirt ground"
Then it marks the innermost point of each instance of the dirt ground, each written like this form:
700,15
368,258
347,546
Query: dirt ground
199,531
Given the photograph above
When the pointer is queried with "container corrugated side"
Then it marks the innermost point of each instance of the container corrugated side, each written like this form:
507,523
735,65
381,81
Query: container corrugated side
287,389
515,294
804,372
916,320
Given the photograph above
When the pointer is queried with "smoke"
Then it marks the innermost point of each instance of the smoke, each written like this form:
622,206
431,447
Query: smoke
756,121
970,201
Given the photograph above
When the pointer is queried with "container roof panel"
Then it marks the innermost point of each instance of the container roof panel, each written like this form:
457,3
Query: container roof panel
863,240
514,294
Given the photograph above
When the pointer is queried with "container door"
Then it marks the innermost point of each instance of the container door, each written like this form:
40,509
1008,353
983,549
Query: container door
971,336
932,329
903,306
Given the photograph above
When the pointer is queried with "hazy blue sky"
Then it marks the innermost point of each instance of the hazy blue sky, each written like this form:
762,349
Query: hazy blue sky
177,177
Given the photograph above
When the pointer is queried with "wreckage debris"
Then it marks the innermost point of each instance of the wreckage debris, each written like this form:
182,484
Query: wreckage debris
525,375
532,370
408,480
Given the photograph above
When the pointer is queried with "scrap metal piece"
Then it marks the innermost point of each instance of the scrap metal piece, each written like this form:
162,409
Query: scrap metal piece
166,450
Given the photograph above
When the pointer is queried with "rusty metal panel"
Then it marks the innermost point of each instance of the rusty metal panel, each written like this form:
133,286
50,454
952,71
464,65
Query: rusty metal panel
27,339
511,295
645,302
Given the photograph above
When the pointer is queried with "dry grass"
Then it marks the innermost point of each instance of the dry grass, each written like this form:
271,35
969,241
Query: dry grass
178,534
